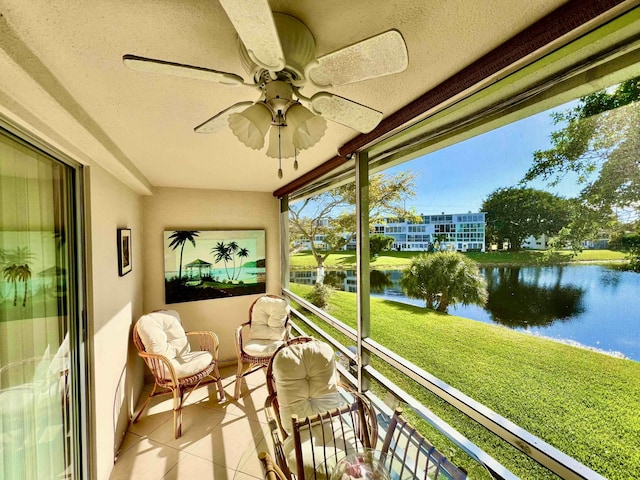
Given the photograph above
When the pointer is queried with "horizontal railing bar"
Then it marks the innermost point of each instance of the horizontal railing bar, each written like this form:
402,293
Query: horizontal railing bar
466,445
548,456
334,322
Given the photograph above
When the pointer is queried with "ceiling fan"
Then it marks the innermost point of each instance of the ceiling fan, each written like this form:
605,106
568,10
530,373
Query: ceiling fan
278,53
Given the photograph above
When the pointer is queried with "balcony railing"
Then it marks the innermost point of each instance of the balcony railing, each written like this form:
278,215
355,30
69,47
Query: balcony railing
362,373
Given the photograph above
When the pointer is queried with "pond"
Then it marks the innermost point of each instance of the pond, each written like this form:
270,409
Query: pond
590,305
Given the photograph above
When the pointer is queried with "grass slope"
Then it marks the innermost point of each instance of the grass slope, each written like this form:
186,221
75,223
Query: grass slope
393,260
584,403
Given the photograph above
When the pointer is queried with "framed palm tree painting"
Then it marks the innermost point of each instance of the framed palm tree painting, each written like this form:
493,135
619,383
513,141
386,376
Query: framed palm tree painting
207,264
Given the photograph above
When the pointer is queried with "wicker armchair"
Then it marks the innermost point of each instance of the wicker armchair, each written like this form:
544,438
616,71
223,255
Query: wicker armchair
313,419
256,340
177,369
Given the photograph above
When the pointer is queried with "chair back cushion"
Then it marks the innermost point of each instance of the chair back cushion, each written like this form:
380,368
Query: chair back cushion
162,333
306,381
268,318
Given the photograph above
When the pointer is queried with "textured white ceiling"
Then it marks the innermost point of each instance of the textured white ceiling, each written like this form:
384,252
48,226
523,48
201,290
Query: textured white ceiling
62,74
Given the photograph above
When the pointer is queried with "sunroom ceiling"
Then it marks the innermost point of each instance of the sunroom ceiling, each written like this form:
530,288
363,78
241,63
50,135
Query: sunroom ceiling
63,77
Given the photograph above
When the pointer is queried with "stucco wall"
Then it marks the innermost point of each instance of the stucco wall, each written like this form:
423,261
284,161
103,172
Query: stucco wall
186,209
114,304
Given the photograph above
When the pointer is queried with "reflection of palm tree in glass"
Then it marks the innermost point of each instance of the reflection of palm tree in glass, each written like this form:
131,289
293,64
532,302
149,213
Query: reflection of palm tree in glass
10,273
221,252
24,274
18,270
179,238
242,253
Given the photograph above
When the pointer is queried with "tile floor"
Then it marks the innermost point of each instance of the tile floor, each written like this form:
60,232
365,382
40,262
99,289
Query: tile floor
218,442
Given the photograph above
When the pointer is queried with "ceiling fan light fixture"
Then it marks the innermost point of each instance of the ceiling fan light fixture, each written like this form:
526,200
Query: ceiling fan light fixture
281,147
308,128
251,125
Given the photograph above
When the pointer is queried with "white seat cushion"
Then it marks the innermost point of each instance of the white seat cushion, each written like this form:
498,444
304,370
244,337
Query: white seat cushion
345,444
162,333
268,318
191,363
306,380
261,348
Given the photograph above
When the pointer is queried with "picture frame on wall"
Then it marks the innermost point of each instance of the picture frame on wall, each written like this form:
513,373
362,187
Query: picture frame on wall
124,251
211,264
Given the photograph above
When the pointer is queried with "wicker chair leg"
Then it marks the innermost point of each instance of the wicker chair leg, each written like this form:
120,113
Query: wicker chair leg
177,412
146,402
239,375
221,395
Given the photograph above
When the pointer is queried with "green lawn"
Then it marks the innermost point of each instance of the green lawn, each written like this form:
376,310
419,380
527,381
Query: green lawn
584,403
398,260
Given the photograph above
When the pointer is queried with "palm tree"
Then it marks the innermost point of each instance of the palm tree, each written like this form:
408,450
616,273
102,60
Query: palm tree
24,274
10,272
232,246
242,253
444,278
221,251
18,269
179,238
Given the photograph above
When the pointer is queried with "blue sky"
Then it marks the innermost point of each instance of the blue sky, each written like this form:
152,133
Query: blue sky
458,178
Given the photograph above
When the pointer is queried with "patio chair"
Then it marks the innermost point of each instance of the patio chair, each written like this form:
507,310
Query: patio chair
314,420
410,456
256,340
177,369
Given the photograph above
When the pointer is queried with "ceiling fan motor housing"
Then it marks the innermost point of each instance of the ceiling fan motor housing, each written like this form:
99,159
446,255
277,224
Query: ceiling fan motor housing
298,46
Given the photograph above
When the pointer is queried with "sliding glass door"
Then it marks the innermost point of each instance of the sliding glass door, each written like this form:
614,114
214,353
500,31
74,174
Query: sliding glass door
39,323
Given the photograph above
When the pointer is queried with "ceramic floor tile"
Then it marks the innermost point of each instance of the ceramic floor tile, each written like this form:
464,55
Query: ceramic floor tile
231,441
129,440
197,423
191,467
146,460
158,412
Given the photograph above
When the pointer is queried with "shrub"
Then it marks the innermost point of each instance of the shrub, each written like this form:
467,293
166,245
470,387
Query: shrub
444,278
320,295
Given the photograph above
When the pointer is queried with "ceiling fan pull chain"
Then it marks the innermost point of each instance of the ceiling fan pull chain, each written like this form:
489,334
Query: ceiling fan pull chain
295,158
279,148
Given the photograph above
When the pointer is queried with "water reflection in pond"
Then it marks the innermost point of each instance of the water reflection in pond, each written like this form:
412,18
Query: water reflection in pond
592,305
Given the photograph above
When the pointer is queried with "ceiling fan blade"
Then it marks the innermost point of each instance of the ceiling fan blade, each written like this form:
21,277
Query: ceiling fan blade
221,119
346,112
381,55
253,20
150,65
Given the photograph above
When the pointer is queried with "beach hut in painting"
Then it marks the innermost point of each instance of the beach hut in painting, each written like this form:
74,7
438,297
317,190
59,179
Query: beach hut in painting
197,268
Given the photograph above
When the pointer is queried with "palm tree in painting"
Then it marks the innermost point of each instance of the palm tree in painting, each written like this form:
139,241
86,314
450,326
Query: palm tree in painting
242,253
222,254
232,246
178,239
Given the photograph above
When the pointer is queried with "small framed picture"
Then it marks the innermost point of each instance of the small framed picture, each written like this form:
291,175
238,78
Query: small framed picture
124,251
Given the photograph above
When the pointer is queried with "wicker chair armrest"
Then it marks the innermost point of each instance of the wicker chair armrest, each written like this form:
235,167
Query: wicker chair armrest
277,435
159,366
239,337
207,342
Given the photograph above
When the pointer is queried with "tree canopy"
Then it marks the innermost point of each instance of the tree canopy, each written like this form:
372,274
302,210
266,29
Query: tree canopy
515,213
599,141
331,215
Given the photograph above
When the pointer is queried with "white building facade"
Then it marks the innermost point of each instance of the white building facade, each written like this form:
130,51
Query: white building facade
461,232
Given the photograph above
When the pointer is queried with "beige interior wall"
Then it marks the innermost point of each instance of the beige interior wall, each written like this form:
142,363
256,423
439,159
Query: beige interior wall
114,304
183,209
